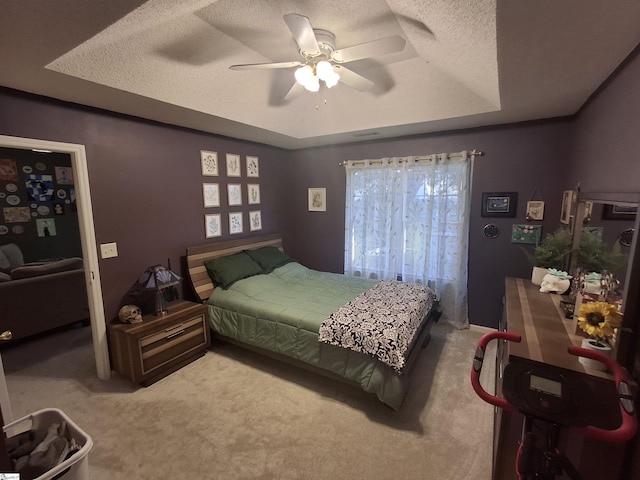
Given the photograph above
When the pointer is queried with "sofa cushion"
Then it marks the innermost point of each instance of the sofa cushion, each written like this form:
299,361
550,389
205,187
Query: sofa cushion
13,255
5,265
63,265
4,277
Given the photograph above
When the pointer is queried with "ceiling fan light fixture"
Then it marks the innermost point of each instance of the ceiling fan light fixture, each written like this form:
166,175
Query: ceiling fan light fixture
324,70
332,80
304,75
313,84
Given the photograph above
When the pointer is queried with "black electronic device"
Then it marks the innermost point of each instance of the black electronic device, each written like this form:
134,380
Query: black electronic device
559,395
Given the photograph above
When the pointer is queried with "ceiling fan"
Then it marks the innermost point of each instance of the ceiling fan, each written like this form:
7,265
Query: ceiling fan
321,60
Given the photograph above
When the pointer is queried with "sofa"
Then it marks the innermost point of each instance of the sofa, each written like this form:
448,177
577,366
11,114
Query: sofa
40,296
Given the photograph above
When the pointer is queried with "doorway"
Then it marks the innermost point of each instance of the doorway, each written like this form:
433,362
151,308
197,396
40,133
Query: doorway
87,238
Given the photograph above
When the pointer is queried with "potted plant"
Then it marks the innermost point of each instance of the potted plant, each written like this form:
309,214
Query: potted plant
595,256
552,252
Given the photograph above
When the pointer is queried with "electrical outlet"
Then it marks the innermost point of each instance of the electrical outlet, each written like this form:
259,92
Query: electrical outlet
109,250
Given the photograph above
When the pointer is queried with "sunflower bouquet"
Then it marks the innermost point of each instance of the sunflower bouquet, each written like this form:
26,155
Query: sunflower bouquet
599,319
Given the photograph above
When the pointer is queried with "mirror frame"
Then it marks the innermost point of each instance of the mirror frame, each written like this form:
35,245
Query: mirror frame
628,342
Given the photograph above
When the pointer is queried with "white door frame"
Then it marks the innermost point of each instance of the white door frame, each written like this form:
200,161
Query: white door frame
87,237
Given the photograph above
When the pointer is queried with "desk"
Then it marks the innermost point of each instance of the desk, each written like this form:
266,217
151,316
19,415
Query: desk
546,334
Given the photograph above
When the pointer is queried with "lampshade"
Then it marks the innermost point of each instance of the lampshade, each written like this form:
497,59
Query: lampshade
309,76
158,278
324,70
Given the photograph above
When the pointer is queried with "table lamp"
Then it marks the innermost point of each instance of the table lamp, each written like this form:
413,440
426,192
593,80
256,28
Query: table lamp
158,278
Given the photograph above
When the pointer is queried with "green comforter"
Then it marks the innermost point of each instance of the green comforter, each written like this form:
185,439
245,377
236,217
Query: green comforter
282,312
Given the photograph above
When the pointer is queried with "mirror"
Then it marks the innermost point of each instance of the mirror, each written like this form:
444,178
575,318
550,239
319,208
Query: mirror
614,217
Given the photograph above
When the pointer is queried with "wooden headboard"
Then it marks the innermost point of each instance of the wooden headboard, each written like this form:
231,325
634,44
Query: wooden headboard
198,256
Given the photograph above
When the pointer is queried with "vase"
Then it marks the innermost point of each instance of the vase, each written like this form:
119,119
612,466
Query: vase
538,274
591,344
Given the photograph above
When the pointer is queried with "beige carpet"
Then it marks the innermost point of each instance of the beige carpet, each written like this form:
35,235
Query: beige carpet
236,415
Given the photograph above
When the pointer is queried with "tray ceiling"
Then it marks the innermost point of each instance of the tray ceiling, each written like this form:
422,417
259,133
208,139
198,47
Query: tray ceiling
466,63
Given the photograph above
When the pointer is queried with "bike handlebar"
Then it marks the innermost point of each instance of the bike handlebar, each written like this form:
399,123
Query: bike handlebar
627,429
624,432
478,359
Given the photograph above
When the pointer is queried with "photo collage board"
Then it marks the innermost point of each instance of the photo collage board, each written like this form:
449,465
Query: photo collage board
239,186
34,196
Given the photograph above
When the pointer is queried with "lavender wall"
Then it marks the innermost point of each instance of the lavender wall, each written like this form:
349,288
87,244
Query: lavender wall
605,157
518,158
146,182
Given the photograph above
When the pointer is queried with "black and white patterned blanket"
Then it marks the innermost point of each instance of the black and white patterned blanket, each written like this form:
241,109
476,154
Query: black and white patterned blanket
381,322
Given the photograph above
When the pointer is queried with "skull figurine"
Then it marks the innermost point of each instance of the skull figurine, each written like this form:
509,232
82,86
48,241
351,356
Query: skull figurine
130,314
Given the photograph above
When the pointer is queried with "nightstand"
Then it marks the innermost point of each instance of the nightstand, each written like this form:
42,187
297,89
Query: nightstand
148,351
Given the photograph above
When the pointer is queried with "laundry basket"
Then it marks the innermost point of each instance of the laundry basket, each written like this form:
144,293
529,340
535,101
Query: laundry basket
76,467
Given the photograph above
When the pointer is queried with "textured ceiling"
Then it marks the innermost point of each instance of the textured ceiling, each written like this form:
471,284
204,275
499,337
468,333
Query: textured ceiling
466,63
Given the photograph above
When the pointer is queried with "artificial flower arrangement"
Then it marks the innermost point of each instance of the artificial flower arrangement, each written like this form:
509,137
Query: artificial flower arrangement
598,320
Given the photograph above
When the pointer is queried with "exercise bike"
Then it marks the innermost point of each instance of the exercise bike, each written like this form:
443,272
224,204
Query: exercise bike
556,398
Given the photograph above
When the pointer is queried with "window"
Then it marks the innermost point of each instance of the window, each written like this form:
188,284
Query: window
407,219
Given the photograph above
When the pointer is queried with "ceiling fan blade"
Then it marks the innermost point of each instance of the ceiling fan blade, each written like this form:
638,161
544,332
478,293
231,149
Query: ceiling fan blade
302,31
265,66
353,79
378,47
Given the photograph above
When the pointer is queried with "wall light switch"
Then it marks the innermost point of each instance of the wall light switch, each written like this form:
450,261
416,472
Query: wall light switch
109,250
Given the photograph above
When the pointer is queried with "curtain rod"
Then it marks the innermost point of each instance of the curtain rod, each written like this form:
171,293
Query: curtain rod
473,153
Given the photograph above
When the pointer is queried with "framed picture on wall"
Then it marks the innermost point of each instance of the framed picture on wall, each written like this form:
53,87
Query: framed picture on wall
567,205
211,194
499,204
233,165
317,199
212,225
209,163
526,234
234,191
252,167
535,210
235,222
253,194
255,221
619,212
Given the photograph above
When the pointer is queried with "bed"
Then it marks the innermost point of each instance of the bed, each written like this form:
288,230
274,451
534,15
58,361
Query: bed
308,318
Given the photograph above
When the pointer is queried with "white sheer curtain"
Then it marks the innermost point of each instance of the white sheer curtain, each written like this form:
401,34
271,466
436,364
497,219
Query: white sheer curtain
408,219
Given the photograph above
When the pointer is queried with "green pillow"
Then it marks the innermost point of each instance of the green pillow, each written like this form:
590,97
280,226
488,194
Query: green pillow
269,258
225,271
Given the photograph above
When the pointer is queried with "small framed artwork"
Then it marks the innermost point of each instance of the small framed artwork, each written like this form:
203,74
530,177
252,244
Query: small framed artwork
233,165
211,194
567,205
317,199
209,162
64,175
235,222
252,167
619,212
46,227
234,190
535,210
595,231
253,194
212,225
255,221
499,204
526,234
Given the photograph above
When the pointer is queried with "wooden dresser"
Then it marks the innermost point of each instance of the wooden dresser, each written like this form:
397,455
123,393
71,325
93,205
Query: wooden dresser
546,334
148,351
